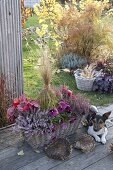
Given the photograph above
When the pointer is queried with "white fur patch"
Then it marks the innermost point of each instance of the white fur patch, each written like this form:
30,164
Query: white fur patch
102,132
94,109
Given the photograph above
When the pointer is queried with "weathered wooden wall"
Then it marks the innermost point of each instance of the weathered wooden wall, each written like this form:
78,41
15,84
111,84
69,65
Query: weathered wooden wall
11,45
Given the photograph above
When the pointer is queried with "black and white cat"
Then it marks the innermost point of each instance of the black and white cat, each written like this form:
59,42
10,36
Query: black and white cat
96,124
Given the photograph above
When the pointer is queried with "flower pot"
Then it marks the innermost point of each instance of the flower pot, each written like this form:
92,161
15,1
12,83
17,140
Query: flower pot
85,84
36,141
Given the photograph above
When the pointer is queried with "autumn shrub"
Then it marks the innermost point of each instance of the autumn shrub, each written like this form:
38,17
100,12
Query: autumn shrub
78,28
86,28
5,100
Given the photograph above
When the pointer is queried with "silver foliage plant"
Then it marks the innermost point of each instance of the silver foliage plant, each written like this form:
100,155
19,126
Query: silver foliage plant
72,61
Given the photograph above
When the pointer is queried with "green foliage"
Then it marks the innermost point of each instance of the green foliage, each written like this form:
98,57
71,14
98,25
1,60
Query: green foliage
72,61
48,14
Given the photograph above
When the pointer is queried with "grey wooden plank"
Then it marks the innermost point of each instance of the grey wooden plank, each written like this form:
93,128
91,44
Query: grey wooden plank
75,161
85,160
11,141
23,161
4,133
8,138
31,159
103,164
15,161
7,153
45,163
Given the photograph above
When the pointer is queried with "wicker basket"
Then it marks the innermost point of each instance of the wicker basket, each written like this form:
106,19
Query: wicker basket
83,83
37,141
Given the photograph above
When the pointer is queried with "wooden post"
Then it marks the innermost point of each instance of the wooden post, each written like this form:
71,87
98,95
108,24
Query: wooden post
11,45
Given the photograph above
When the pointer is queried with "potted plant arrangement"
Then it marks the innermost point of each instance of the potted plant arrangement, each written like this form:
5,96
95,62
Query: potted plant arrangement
86,77
56,113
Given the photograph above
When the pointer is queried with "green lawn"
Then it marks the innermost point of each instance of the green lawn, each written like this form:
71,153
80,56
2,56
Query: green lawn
33,82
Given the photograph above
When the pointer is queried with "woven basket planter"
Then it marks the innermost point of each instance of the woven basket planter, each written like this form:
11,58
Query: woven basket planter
83,83
37,141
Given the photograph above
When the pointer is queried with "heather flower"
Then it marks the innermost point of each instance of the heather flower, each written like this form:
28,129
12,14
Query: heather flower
53,112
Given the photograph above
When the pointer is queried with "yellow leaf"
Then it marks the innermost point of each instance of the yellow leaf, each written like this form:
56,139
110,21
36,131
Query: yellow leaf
44,26
41,21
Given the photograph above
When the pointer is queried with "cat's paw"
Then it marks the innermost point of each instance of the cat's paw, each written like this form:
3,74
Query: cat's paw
103,141
97,138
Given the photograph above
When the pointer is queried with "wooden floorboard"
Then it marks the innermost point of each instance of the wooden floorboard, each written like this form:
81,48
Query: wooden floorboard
79,161
84,160
103,164
9,160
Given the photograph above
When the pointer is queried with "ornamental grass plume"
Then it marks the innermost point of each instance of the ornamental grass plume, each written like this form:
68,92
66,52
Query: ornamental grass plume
47,97
88,71
45,68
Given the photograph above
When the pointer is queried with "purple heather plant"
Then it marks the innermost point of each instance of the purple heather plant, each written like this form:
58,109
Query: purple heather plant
82,105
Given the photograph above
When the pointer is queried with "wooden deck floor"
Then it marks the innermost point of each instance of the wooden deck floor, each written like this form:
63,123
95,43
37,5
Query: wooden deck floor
99,159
